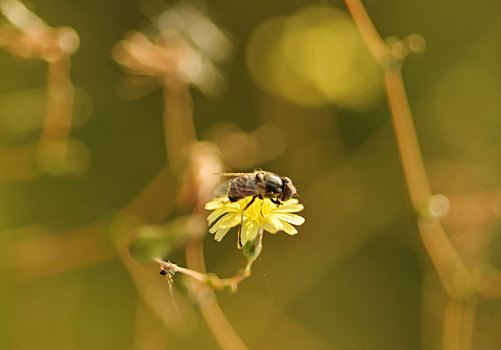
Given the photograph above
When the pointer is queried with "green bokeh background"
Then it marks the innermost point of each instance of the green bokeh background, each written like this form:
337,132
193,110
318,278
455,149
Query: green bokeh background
356,275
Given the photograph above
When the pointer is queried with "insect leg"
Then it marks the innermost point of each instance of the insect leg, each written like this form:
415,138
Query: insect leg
276,201
239,244
249,204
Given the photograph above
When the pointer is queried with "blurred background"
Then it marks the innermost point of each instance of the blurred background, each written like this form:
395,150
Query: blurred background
86,88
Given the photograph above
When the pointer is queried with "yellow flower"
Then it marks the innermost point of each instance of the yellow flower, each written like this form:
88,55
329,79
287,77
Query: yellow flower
261,214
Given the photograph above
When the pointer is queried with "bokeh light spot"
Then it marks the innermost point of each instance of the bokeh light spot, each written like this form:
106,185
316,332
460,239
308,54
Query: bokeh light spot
314,57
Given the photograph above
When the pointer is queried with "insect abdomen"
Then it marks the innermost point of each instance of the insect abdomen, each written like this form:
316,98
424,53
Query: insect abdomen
234,196
241,187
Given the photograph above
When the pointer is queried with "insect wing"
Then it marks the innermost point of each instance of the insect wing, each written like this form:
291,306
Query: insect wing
232,174
243,186
222,189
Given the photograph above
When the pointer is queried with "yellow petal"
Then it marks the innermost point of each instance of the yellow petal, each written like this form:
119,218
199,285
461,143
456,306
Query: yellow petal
289,208
226,221
267,226
252,231
214,215
230,220
243,235
262,214
276,223
215,204
290,218
289,229
214,228
221,233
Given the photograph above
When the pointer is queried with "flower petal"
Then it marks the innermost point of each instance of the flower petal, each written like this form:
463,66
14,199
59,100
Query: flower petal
289,208
215,228
289,229
252,231
215,215
261,215
267,226
230,220
243,235
226,221
290,218
221,233
215,204
276,223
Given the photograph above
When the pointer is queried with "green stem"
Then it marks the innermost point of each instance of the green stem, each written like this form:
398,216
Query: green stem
213,280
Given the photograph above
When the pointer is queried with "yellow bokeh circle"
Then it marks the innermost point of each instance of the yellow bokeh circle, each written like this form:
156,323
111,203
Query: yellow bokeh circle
314,57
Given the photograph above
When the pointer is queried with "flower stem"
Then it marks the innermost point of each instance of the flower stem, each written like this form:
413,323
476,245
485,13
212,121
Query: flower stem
211,279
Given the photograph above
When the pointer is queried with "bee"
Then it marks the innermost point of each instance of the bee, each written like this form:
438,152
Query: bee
259,184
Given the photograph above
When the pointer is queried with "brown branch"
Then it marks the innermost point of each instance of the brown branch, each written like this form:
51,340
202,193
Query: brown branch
458,325
203,288
42,255
148,332
180,135
368,31
179,129
222,329
60,92
153,290
211,280
456,279
451,269
220,326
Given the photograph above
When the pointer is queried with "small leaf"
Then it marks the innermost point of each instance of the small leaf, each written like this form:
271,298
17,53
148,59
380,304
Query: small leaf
160,240
252,249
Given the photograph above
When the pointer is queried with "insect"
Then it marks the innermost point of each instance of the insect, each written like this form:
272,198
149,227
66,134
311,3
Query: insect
259,184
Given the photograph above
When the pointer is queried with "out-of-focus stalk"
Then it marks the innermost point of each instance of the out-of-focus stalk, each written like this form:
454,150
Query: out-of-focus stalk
443,254
179,133
453,273
28,36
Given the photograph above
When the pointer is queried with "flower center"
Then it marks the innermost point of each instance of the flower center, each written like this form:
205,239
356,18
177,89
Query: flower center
258,211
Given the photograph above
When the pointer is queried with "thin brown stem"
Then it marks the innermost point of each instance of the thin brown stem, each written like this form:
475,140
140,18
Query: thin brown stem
450,267
408,146
179,128
458,325
149,333
180,134
222,329
456,279
220,326
60,92
368,31
211,280
154,291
